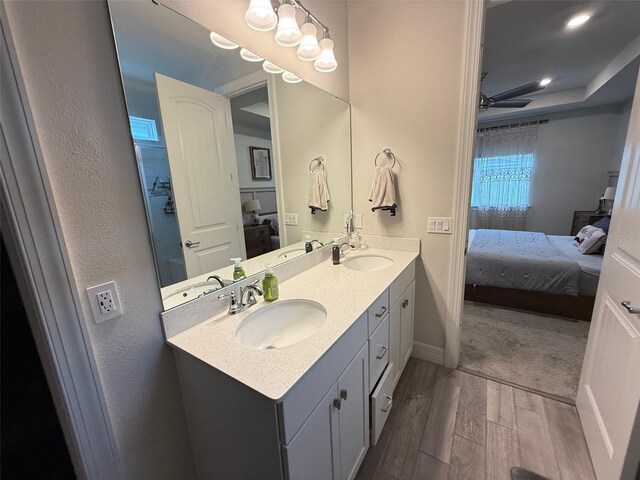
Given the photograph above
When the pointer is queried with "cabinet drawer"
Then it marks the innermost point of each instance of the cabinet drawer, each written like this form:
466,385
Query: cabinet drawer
377,311
378,352
381,403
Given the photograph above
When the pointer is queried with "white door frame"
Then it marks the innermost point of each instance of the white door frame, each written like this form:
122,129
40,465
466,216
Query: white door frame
462,189
38,254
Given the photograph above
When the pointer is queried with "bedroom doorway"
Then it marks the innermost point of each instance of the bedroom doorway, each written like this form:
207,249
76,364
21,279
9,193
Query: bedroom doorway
545,172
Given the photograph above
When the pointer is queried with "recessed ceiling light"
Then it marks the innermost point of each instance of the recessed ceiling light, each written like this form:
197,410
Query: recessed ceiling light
544,82
578,20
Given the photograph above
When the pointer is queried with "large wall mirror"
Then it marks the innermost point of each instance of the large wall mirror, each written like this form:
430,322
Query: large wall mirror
229,155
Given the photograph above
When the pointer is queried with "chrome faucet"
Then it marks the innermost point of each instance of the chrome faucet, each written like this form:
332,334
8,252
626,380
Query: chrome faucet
247,298
217,279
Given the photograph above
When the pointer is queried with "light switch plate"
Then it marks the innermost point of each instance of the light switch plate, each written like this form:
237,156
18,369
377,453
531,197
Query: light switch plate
291,219
105,304
442,225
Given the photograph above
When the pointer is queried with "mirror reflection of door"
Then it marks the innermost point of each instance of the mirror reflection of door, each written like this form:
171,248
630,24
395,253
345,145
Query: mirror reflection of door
201,153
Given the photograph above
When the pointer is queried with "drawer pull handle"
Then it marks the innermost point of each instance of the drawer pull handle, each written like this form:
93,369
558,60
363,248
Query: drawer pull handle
384,351
381,312
343,394
337,403
405,304
388,405
627,304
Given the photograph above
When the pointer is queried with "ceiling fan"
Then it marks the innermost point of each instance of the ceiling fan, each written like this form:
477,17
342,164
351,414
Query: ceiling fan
508,99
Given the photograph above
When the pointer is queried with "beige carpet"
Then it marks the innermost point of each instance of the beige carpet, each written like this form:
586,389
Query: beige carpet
535,351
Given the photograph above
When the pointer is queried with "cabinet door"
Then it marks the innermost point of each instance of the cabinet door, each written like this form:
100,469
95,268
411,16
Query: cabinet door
353,390
394,340
406,324
314,452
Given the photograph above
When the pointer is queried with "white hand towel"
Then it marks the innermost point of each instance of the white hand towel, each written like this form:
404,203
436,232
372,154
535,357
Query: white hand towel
383,191
318,192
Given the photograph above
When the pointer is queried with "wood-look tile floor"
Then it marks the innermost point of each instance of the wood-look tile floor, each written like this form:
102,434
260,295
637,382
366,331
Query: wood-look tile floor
447,424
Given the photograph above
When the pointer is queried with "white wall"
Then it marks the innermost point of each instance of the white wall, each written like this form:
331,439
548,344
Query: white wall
243,142
405,76
573,154
66,53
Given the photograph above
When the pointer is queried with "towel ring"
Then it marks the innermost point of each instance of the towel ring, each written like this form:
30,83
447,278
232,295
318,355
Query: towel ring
388,153
320,161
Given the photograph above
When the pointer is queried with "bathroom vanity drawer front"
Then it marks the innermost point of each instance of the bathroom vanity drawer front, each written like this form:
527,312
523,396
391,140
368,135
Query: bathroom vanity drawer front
378,352
381,403
302,399
377,311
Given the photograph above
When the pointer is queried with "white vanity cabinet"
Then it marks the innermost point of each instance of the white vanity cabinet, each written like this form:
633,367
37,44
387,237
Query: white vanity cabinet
402,294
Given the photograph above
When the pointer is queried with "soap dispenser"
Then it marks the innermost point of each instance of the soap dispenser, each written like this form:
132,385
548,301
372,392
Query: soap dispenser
307,244
335,251
269,284
238,271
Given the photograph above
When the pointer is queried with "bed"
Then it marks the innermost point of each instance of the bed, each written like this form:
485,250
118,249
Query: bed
531,271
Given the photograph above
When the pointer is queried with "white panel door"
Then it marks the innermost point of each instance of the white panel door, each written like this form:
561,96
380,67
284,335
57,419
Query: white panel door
609,392
406,325
353,388
204,177
395,319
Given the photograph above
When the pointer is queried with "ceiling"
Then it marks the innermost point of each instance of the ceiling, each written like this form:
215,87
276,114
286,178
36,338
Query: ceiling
595,64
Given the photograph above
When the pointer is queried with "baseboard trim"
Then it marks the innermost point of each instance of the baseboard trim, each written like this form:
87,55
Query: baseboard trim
427,352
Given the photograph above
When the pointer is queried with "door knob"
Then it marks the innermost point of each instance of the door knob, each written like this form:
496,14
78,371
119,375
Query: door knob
190,244
633,310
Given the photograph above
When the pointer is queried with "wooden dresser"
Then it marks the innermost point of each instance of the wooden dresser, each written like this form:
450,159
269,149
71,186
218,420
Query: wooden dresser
582,218
257,239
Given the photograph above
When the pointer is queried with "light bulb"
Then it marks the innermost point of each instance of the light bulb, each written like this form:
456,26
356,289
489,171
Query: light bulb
220,41
309,50
326,62
578,20
544,82
250,56
260,15
269,67
290,77
288,34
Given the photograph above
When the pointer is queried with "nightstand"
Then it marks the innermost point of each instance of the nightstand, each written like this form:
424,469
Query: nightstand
257,240
582,218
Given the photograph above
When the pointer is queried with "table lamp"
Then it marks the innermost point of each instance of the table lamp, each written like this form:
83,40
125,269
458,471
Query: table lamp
252,207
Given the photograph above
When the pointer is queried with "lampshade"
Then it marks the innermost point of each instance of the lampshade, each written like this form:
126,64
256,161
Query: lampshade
220,41
288,34
326,62
252,205
309,50
249,56
290,77
269,67
260,15
609,193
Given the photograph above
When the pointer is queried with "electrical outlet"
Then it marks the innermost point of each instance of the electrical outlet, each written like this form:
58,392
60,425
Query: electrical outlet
105,304
440,225
291,219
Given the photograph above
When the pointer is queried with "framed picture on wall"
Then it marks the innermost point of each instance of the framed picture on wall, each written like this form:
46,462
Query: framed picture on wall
260,163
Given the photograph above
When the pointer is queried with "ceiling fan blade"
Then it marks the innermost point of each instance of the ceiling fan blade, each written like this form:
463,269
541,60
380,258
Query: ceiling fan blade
513,103
517,92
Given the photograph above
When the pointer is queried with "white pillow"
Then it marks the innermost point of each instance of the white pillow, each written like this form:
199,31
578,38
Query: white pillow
590,239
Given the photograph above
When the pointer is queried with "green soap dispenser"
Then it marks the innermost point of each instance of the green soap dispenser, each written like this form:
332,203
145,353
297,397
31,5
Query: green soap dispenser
269,285
238,271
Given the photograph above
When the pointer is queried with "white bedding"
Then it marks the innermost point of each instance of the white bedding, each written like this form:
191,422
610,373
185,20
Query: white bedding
590,265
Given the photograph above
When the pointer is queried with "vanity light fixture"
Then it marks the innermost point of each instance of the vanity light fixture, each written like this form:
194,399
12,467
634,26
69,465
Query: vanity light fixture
249,56
260,15
545,81
309,50
578,20
290,77
270,67
220,41
326,62
288,33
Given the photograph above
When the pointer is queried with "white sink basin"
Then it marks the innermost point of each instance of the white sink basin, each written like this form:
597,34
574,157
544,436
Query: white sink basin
189,293
293,253
367,263
281,324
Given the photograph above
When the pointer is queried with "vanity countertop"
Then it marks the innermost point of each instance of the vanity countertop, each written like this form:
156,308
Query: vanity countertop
346,294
